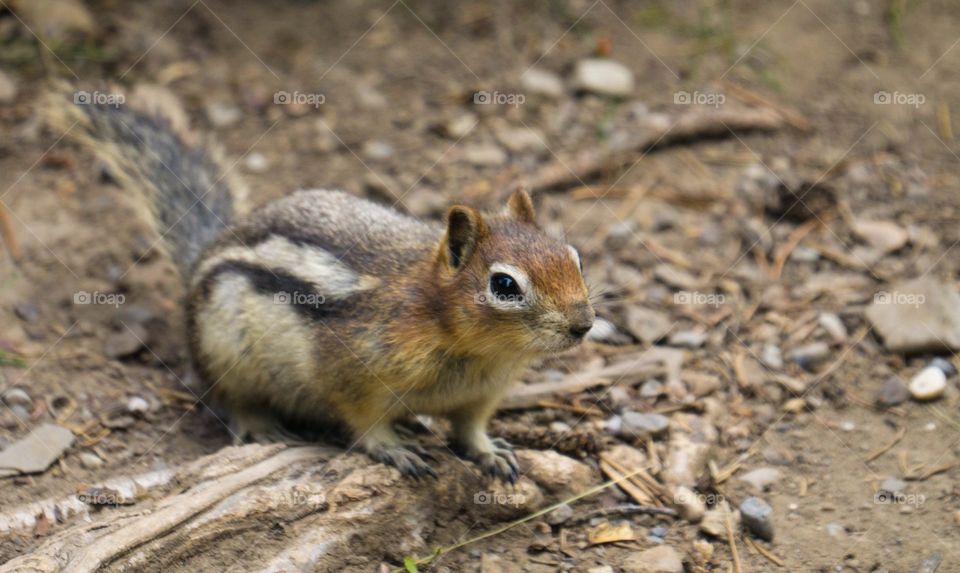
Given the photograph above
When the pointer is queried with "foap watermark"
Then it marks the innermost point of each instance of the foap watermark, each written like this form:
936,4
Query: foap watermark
498,98
685,496
698,298
299,98
901,298
300,498
99,98
495,498
503,299
95,297
298,298
897,98
699,98
883,497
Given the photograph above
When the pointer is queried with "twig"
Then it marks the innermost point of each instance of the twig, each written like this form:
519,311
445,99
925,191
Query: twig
6,231
764,551
623,511
731,540
798,234
888,447
792,117
655,133
639,494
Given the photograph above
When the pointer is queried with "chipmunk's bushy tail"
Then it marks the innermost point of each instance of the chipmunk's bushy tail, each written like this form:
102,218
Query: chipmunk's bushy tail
179,183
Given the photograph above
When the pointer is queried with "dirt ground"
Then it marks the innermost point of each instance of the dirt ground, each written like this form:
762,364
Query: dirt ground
399,123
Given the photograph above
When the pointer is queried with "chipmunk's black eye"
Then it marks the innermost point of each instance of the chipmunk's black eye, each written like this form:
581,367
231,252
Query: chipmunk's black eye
504,285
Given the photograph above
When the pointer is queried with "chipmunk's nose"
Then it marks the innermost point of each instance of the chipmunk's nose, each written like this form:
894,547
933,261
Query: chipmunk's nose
581,320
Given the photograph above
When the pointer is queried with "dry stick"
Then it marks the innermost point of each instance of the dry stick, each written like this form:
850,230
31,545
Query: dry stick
639,494
888,447
656,133
6,230
494,532
798,234
792,117
642,478
732,541
623,511
764,551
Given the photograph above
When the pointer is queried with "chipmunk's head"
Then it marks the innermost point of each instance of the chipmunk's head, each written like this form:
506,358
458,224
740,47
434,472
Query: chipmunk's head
509,287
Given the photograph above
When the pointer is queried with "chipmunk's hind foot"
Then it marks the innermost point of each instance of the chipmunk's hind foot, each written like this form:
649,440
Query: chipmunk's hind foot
263,429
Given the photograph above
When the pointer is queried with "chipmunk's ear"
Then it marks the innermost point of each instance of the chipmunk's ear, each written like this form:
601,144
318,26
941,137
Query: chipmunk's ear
465,228
520,207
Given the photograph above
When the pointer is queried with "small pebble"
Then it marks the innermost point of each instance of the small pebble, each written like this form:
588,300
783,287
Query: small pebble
256,162
761,479
659,532
943,364
757,515
17,397
90,461
847,426
836,530
687,339
26,311
805,255
223,114
929,384
892,393
893,485
137,405
484,155
560,515
771,357
378,150
640,425
543,82
651,389
604,77
810,355
834,326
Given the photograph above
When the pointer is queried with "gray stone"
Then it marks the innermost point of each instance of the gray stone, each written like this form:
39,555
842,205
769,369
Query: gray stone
640,425
810,355
922,315
893,392
17,397
560,515
757,516
930,564
378,150
771,357
35,452
943,364
604,77
90,461
651,389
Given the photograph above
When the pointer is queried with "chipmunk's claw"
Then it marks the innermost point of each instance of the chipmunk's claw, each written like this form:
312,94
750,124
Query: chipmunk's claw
501,462
406,458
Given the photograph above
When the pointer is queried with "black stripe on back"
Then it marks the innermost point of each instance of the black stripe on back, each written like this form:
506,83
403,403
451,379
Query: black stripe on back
301,295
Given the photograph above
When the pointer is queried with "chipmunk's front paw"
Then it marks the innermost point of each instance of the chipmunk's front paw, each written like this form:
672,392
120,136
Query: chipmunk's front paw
501,462
409,459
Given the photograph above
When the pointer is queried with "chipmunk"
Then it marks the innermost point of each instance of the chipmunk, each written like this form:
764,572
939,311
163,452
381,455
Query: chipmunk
322,307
